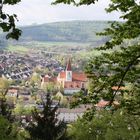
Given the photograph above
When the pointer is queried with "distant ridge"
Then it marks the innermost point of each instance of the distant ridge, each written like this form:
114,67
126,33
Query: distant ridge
68,31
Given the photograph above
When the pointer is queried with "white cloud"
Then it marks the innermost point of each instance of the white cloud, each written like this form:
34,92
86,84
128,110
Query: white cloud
41,11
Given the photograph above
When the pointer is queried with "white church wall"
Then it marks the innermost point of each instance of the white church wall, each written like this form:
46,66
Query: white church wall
71,91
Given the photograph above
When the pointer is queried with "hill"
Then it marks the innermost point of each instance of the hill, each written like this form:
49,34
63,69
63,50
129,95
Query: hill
73,31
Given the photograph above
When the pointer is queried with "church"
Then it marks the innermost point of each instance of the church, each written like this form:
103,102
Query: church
71,81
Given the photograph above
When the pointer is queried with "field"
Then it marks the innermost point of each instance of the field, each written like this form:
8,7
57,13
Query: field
59,47
19,49
51,44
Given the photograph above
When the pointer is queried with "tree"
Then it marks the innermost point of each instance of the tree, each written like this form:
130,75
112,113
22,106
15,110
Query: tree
45,125
49,87
35,80
5,110
105,126
119,68
4,85
21,110
7,21
122,66
7,130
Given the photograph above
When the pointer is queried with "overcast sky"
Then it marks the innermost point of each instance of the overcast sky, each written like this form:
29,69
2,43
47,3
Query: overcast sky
41,11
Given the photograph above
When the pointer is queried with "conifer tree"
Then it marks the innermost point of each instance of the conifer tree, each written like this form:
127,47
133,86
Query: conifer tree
45,124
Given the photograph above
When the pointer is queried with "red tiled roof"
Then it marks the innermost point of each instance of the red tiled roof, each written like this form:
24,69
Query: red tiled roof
104,103
79,77
49,79
75,76
13,91
116,88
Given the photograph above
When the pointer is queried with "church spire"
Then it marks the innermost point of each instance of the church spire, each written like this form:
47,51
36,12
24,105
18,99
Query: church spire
68,71
68,67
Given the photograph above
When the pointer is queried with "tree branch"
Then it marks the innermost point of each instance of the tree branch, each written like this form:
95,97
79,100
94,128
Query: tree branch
123,76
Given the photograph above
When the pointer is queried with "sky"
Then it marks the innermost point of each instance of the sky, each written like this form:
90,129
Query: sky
41,11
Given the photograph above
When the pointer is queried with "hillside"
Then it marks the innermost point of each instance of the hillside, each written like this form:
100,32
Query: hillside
74,31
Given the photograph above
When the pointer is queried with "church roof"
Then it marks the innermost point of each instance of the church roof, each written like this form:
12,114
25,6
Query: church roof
76,76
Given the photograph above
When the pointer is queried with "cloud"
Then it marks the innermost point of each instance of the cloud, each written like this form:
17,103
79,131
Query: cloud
41,11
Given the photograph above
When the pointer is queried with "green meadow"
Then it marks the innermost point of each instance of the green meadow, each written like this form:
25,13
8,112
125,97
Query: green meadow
19,49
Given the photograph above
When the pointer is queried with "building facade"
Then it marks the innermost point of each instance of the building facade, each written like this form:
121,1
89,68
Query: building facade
71,81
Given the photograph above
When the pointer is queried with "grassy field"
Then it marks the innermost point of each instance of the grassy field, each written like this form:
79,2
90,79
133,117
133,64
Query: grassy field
19,49
84,49
61,47
46,45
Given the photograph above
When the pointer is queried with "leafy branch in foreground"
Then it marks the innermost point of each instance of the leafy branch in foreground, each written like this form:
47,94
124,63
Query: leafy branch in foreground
106,126
119,66
81,2
7,22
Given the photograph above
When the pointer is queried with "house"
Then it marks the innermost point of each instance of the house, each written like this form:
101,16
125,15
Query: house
48,79
12,92
59,96
24,94
70,115
12,96
71,81
103,104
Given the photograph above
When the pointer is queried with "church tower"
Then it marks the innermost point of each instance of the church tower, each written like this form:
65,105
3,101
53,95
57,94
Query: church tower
69,71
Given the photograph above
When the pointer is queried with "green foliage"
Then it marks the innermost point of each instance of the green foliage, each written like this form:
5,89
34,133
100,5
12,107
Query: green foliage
4,128
5,110
118,68
45,125
4,85
7,130
121,66
7,22
49,87
106,126
35,80
21,110
126,30
112,68
81,2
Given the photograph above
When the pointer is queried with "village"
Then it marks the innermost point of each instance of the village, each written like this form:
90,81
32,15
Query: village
33,76
70,70
17,66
